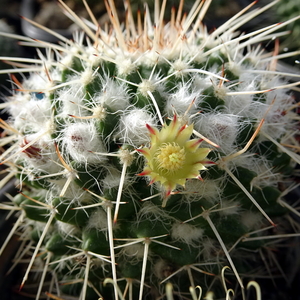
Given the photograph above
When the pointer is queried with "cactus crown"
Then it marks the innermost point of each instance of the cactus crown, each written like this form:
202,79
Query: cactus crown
151,153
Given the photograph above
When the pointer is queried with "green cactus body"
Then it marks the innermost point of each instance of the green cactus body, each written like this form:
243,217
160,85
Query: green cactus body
152,154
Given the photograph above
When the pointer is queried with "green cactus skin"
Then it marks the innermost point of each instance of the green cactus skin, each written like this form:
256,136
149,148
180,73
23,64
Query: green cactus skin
98,135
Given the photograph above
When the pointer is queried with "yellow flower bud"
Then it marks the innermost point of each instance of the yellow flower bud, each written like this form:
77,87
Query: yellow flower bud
172,156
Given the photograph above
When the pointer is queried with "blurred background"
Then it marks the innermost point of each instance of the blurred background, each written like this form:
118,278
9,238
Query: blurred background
50,14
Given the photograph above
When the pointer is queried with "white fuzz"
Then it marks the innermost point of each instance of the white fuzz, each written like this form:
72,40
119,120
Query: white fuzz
265,176
71,100
221,91
241,104
98,220
162,269
112,179
229,208
182,101
93,57
186,233
134,251
74,192
67,229
125,66
210,249
207,189
132,128
66,62
146,86
252,220
277,124
79,139
39,82
178,66
220,128
40,156
32,115
114,94
151,58
202,82
86,77
153,212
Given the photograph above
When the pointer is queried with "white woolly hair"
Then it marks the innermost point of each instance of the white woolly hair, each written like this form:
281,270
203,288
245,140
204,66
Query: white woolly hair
67,229
136,251
208,189
125,65
180,101
112,179
132,128
79,139
241,104
71,100
186,233
32,115
45,158
153,212
114,94
220,128
40,81
98,220
229,208
265,173
278,119
252,220
210,248
202,82
162,269
74,192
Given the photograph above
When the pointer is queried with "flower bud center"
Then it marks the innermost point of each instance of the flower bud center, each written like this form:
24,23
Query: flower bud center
171,157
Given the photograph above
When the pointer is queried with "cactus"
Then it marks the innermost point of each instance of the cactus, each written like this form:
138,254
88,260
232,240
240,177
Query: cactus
151,154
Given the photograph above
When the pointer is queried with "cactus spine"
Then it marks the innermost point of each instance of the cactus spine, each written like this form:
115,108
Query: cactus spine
151,153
